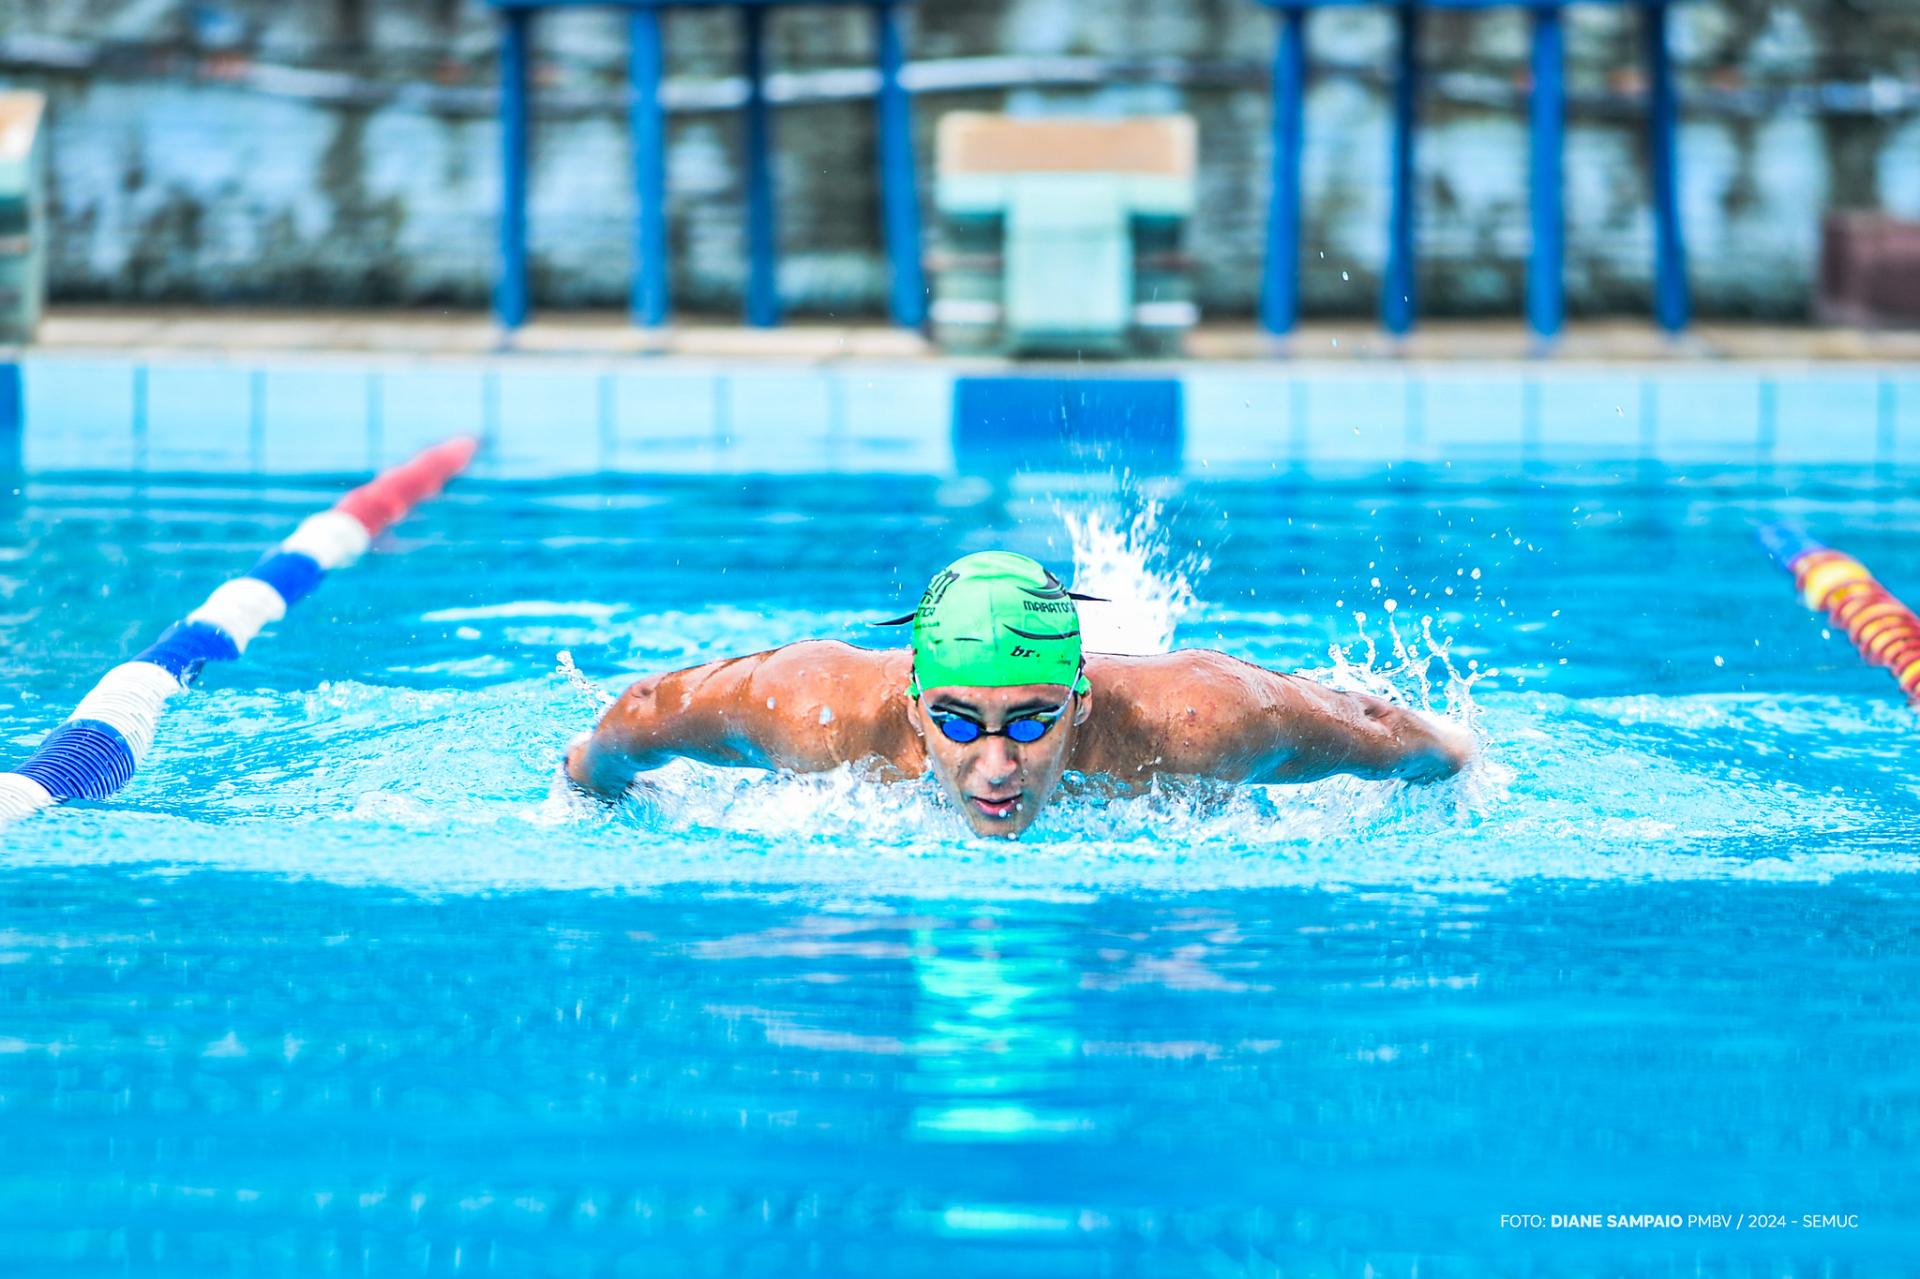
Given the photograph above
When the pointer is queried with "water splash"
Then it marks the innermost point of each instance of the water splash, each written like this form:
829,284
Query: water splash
1419,672
599,697
1126,561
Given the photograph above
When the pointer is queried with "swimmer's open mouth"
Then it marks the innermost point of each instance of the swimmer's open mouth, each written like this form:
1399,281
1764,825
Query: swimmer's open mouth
999,807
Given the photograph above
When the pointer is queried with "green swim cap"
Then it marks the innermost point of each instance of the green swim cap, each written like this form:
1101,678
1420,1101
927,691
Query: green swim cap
995,619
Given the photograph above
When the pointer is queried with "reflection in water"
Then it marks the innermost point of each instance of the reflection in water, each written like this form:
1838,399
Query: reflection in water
712,1082
995,1036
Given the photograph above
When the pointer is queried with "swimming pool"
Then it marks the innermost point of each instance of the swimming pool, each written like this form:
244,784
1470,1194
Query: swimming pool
339,985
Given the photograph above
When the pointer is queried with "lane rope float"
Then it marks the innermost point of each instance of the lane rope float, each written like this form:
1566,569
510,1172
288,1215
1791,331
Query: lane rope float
100,746
1886,631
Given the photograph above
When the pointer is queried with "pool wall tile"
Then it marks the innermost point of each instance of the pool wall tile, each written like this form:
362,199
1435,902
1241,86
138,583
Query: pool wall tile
1900,410
316,420
666,421
294,416
893,421
1003,422
203,419
12,407
550,423
776,422
1589,416
1239,420
1825,418
1711,418
79,415
1455,415
421,406
1355,418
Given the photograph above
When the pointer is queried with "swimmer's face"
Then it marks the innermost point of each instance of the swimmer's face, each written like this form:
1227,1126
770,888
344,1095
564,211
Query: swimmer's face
998,783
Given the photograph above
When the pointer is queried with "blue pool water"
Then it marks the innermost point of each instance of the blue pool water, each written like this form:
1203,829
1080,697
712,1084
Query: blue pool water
340,984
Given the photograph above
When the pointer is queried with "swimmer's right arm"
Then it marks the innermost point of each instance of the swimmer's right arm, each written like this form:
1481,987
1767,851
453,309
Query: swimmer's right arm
690,714
761,711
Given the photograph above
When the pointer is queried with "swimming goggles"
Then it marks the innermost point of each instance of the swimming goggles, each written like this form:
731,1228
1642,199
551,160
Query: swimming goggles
1028,728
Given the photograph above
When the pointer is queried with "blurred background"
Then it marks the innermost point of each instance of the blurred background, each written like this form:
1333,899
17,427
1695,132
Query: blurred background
347,153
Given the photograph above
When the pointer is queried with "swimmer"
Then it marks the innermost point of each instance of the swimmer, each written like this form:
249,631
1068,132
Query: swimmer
995,698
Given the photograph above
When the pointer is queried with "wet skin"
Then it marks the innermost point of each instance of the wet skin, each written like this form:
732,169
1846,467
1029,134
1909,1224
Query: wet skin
819,704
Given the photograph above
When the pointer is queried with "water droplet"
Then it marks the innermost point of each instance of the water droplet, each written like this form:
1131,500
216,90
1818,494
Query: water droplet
1344,275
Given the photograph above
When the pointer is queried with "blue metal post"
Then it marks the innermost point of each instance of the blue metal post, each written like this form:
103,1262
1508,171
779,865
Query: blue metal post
1663,110
644,53
899,195
1397,301
1546,284
1280,291
510,290
763,293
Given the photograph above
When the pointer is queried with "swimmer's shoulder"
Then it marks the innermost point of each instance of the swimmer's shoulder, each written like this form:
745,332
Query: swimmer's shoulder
1153,680
835,701
835,667
1179,713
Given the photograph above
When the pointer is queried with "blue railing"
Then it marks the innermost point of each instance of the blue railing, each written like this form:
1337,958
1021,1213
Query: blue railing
1280,294
1546,292
900,207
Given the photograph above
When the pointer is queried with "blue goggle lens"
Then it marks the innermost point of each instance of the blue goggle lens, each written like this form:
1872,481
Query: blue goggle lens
1028,730
959,729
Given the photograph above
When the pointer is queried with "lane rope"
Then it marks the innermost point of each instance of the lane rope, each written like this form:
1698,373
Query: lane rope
1886,631
101,745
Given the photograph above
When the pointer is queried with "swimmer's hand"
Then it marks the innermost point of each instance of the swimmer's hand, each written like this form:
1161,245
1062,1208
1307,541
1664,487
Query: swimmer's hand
1441,749
590,773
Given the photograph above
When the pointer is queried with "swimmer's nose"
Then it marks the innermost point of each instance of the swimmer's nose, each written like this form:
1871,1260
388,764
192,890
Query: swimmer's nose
997,761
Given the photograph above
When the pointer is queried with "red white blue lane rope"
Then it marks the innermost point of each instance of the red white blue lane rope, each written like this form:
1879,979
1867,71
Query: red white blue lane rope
1886,632
102,743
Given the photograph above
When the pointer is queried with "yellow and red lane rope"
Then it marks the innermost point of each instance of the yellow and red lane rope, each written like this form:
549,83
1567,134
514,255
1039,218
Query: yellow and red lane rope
1886,631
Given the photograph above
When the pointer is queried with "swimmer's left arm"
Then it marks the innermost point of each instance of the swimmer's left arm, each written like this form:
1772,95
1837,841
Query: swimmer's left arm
1309,731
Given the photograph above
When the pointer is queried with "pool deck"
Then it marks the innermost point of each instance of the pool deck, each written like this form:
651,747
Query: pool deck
602,335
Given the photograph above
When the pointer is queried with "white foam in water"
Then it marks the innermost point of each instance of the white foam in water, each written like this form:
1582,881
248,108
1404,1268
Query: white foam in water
1123,561
598,697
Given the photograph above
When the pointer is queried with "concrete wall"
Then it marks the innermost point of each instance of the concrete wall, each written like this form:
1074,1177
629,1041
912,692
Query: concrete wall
344,151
